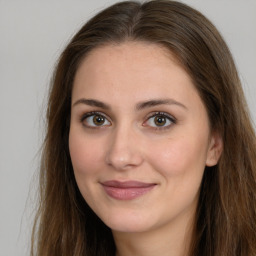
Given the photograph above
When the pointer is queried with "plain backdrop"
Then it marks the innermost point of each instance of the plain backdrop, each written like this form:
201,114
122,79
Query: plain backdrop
32,35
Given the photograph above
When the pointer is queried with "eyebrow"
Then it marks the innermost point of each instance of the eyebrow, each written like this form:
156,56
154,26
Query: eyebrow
157,102
93,103
139,106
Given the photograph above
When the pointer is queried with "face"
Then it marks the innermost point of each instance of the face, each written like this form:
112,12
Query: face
139,137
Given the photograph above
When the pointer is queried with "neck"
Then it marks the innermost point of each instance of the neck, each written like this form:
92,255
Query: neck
172,239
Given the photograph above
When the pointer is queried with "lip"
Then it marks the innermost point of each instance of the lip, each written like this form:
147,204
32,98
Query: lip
126,190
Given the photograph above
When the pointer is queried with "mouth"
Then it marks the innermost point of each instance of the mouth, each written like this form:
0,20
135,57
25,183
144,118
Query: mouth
126,190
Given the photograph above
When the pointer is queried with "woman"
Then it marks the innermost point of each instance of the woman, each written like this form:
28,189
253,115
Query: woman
149,147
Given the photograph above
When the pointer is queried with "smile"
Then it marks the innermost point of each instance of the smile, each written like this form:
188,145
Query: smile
127,190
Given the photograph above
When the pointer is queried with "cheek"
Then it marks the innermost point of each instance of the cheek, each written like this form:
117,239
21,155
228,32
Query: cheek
178,157
84,155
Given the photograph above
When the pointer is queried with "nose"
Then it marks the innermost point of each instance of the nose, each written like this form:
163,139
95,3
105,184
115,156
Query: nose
124,151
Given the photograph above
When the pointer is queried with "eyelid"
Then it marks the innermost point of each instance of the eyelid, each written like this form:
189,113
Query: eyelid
151,115
92,113
164,114
161,113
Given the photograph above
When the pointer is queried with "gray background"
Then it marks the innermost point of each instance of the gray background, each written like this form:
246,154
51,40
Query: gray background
32,35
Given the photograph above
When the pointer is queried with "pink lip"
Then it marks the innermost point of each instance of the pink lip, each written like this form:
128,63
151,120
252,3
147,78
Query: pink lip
126,190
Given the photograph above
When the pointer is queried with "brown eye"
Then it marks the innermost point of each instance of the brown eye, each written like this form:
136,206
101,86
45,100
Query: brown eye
160,120
95,120
98,120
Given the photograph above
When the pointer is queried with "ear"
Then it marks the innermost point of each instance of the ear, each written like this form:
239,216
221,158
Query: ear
215,149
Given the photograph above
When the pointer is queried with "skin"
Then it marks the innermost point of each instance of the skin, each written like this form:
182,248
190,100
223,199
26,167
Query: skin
130,145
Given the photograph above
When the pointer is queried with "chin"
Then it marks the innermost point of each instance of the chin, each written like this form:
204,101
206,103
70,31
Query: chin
128,227
129,223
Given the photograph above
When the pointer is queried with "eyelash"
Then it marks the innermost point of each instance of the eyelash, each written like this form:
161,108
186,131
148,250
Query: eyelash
170,118
164,115
91,114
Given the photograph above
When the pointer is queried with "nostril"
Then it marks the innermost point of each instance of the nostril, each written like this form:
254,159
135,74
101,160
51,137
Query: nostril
123,159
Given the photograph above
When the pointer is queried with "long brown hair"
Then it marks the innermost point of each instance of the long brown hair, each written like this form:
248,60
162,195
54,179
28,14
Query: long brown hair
226,215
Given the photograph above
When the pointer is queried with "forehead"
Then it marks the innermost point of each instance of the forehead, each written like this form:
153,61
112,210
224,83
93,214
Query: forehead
136,51
135,46
111,58
131,71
